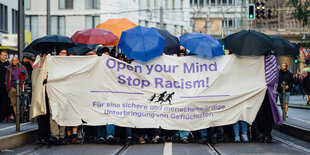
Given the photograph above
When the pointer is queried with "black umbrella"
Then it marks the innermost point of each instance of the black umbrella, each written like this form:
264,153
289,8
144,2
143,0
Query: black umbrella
248,43
172,42
284,47
30,49
53,43
81,49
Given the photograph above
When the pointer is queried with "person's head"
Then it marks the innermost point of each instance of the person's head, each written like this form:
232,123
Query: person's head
121,56
90,53
14,61
63,53
284,67
181,53
106,51
44,54
4,55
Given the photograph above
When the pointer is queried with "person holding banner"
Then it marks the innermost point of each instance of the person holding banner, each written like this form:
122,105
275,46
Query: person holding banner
57,132
244,126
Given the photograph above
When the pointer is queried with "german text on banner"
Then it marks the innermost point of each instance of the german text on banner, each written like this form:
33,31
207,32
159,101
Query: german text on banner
187,93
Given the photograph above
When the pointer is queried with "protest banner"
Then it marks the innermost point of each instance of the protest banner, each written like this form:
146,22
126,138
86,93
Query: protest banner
186,93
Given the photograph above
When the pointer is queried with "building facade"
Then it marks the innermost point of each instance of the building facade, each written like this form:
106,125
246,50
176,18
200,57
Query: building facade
9,26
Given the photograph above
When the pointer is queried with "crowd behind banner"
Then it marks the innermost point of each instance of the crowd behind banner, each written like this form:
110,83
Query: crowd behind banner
51,133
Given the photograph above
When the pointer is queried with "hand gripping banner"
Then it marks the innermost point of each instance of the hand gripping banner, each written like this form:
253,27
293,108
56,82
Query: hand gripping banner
187,93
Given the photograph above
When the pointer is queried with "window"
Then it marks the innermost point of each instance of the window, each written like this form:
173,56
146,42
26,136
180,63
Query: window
175,29
92,4
167,4
65,4
218,2
31,24
182,4
195,2
148,3
146,23
14,21
92,21
230,2
3,18
182,30
224,2
58,25
155,3
201,2
173,4
212,2
191,2
158,25
230,23
27,4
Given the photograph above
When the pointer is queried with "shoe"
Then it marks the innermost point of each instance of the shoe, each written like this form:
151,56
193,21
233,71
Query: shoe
128,141
141,140
101,140
184,140
42,141
54,140
110,139
62,141
75,140
268,139
237,139
245,138
169,139
157,139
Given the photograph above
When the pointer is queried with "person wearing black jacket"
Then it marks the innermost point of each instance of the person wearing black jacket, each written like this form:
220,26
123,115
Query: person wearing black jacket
287,77
306,87
4,99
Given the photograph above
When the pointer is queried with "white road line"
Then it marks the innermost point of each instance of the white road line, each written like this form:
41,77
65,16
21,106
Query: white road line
292,144
300,119
168,148
9,127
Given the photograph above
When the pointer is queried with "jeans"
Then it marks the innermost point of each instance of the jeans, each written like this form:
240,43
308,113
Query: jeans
110,130
184,134
101,131
203,135
287,97
244,127
128,132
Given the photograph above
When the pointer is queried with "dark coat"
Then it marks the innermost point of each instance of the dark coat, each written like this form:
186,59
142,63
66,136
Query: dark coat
288,78
3,65
306,83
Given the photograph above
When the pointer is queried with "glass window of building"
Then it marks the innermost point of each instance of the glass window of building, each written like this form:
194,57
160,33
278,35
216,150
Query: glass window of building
27,4
3,18
230,23
91,21
173,4
65,4
224,2
58,25
31,24
201,2
212,2
155,3
230,2
14,21
219,2
92,4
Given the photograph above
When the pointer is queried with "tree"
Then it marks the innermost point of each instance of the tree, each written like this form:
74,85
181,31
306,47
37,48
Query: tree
301,10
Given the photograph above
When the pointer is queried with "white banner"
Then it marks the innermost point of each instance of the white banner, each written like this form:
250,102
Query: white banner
187,93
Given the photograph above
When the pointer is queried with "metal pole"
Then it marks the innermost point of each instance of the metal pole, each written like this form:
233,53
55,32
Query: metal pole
20,29
17,117
48,17
283,101
161,17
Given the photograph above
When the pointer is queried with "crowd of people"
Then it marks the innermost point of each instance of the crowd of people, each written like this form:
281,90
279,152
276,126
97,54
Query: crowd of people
51,133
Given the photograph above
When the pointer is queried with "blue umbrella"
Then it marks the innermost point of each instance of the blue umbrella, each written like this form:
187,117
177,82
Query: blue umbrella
81,49
202,44
142,43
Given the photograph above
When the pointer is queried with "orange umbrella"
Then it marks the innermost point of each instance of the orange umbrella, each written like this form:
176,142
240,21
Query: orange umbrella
117,26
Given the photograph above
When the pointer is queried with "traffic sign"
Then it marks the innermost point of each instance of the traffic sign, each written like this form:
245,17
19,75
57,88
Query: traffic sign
306,52
304,36
228,33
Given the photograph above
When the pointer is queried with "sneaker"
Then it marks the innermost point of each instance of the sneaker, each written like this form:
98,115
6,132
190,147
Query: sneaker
157,139
237,139
54,140
101,140
184,140
111,139
75,140
244,138
128,141
141,140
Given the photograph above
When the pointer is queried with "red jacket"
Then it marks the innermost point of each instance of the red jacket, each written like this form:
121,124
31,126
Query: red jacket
22,76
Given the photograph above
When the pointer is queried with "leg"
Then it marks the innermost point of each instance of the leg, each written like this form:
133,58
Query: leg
184,136
236,131
244,127
203,135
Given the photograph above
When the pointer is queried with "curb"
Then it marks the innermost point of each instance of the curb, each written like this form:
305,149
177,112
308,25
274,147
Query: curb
18,139
295,131
296,106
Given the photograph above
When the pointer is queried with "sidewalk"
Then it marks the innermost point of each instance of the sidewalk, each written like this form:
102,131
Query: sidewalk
10,138
297,123
297,101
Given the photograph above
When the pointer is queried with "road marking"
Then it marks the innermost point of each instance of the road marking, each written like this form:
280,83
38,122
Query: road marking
9,127
213,149
168,148
301,120
292,144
